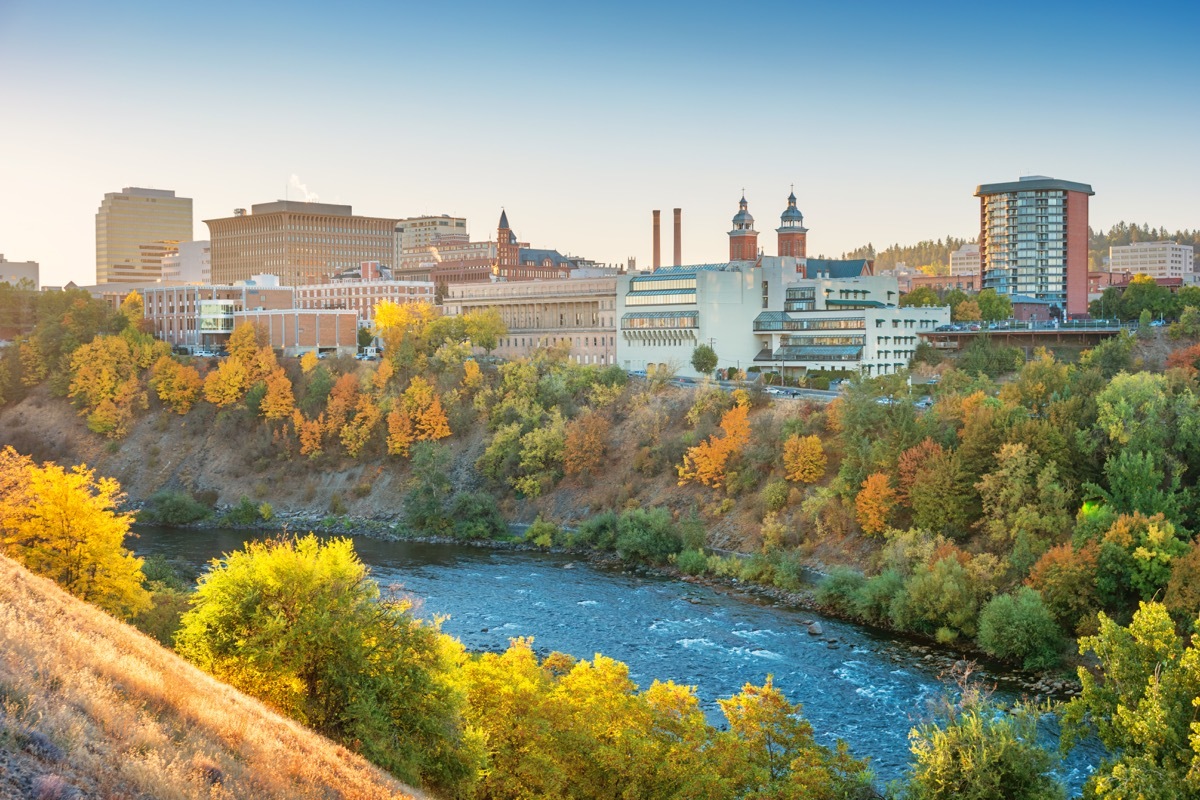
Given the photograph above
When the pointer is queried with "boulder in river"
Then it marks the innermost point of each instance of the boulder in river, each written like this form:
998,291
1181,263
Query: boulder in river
815,629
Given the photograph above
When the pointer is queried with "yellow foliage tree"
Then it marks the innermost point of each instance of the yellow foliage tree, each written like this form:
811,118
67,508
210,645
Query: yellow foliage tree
967,311
472,376
244,342
357,432
227,384
875,502
64,525
309,361
279,401
178,387
586,443
343,400
432,424
382,375
804,458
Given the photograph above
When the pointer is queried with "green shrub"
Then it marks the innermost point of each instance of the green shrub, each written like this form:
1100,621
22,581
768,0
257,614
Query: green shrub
758,568
542,533
840,589
873,602
1019,627
172,508
161,620
599,531
725,566
206,497
789,572
647,535
819,382
266,512
254,397
162,574
691,562
337,506
775,495
244,513
476,516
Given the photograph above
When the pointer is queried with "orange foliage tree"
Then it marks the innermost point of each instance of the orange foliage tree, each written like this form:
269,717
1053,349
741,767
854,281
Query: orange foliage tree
400,432
585,444
1188,358
706,462
1066,579
310,432
279,401
875,502
910,464
804,458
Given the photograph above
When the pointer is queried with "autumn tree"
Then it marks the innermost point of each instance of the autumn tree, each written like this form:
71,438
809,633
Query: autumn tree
177,386
586,446
401,435
706,462
1024,506
357,432
1066,579
245,342
299,624
64,524
309,361
278,402
105,384
967,311
910,464
227,384
804,458
875,502
484,327
310,432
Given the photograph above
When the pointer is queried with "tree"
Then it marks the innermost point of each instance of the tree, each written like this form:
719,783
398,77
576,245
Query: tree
299,624
586,445
967,311
227,384
981,753
428,488
245,341
484,327
365,337
309,361
1182,597
1018,627
910,464
706,462
994,307
64,525
874,503
704,359
804,458
1142,707
178,386
921,296
1024,505
278,402
1066,579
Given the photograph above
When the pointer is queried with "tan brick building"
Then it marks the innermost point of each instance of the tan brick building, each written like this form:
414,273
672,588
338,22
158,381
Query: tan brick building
296,331
203,316
361,296
303,243
544,313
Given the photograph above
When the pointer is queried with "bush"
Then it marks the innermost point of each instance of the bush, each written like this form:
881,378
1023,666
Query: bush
691,562
244,513
173,508
266,512
647,535
476,516
774,495
161,620
789,571
542,533
599,532
840,589
819,382
337,506
873,602
1018,627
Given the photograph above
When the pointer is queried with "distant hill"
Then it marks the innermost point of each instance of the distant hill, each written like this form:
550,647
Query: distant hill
89,707
1124,233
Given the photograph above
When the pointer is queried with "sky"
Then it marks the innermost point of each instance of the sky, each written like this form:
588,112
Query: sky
579,119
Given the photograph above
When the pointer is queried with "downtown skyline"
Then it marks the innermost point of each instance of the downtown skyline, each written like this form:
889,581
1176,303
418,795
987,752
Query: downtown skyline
580,122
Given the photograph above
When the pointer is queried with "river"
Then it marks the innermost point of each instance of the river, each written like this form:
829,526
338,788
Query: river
865,687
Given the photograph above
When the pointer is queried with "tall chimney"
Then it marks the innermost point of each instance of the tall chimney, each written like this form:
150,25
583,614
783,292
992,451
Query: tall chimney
657,240
678,240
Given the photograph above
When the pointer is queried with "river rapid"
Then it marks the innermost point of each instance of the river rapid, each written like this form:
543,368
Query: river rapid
865,687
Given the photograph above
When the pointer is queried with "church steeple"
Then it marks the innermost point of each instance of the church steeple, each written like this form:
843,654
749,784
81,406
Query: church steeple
507,251
793,236
743,239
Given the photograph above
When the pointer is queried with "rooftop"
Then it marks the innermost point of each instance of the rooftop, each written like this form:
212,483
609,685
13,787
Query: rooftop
1032,183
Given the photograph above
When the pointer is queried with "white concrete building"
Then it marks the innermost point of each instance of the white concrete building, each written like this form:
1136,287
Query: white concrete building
780,314
965,260
1156,259
190,263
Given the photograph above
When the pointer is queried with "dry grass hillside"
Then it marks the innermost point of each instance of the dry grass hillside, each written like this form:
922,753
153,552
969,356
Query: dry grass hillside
91,708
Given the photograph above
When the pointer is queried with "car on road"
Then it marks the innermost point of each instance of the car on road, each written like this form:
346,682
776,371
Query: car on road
974,326
943,328
924,402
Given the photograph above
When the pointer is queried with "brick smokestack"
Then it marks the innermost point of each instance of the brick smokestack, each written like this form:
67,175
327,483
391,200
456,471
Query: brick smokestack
678,237
657,240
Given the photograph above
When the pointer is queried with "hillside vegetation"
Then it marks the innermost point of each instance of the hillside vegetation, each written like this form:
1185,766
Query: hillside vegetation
89,704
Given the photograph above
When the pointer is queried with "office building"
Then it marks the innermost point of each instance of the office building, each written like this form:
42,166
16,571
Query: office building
190,262
579,311
362,295
965,261
1156,259
303,243
1033,241
419,232
13,272
135,228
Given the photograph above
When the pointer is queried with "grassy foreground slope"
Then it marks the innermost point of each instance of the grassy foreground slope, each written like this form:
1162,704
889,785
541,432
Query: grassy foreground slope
90,707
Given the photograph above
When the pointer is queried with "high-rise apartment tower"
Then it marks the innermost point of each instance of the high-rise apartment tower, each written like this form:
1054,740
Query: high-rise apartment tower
1033,241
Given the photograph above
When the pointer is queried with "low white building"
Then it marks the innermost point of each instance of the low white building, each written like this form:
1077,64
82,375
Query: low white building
780,314
1156,259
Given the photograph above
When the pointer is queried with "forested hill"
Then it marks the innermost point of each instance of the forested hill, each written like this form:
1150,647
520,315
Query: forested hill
933,255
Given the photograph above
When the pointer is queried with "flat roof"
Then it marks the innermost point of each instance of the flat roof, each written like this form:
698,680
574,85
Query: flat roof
1033,184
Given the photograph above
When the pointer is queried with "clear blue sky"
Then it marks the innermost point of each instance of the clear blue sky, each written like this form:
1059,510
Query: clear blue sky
580,119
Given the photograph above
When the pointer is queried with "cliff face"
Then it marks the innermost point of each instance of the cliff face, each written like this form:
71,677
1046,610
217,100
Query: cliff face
206,451
89,707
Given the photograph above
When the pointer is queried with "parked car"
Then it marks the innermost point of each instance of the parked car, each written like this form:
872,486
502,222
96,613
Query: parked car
974,326
924,402
943,328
